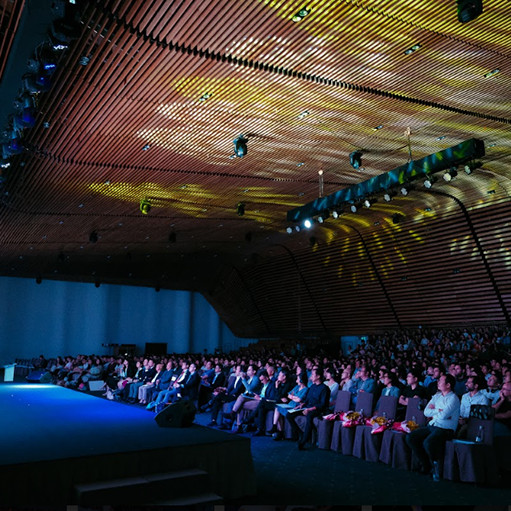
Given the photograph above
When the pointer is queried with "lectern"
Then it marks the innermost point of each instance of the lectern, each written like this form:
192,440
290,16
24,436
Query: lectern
7,372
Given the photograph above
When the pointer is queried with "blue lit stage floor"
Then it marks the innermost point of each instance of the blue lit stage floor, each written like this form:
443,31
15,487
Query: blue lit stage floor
59,437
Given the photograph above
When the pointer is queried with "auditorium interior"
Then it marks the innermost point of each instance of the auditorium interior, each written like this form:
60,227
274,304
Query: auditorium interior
218,174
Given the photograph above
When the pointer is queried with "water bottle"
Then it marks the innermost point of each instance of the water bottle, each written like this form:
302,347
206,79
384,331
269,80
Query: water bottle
480,435
361,412
414,419
384,415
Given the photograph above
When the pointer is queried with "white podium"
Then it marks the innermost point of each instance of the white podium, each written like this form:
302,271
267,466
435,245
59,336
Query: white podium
7,372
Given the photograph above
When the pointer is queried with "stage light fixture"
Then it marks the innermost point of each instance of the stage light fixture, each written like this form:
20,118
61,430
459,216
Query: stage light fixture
297,228
289,230
369,202
4,163
471,166
356,159
300,15
240,208
354,207
450,174
307,223
336,213
240,146
429,181
405,190
388,196
323,216
469,10
145,206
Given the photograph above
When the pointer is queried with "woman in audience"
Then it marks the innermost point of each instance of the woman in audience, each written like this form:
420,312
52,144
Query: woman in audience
294,399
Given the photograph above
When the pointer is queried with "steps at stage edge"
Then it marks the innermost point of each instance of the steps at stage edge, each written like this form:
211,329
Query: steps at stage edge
202,498
183,484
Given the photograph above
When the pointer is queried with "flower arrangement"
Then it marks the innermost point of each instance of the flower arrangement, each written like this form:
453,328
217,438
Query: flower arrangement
405,426
378,424
351,419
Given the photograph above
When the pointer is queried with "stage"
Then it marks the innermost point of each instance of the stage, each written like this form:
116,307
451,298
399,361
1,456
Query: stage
55,439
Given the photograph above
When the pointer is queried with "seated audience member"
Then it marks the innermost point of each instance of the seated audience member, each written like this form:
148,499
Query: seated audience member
162,383
165,396
250,399
390,388
189,388
149,385
363,383
492,391
222,395
502,424
432,387
346,381
275,393
314,404
294,398
207,387
331,383
473,396
428,443
413,388
148,371
461,380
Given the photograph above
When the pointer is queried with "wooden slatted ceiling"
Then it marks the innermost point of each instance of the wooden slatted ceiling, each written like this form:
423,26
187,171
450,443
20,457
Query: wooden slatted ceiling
344,65
10,14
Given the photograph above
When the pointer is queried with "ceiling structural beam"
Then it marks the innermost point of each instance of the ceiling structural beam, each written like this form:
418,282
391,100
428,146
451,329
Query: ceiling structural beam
415,169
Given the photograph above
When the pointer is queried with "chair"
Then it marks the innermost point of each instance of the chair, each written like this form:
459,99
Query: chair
394,451
366,445
325,427
469,460
342,438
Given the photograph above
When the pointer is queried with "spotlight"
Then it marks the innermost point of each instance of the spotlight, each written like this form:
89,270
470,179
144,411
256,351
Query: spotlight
405,190
324,215
369,202
240,208
4,163
240,146
396,218
388,196
354,208
300,15
469,10
307,223
297,228
93,237
429,181
470,167
450,174
336,213
356,159
289,230
145,206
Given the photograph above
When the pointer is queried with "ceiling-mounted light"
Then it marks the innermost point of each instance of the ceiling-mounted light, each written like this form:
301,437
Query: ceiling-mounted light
336,213
307,223
450,174
240,208
4,163
412,49
205,96
289,230
240,146
492,73
323,216
303,114
354,207
405,190
297,228
369,202
378,127
429,181
469,10
300,15
471,166
356,159
145,206
388,196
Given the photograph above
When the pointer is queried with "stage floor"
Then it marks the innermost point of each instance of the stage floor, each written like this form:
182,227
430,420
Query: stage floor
49,431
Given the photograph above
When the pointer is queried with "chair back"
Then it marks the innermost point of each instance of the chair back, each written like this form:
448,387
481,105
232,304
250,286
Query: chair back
342,403
414,409
388,405
480,424
365,403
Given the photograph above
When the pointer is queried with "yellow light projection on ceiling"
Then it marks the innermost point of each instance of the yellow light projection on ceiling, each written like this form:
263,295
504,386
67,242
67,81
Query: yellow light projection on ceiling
197,201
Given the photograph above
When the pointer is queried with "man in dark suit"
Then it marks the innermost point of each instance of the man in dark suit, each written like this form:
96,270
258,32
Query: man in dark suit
189,389
224,395
217,379
314,404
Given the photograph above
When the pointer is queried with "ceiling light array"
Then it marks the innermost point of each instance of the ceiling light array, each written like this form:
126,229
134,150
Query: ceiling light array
413,49
302,13
388,185
40,69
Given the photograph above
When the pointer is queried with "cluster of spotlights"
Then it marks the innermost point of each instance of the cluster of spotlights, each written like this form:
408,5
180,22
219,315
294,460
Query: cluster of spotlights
404,189
40,69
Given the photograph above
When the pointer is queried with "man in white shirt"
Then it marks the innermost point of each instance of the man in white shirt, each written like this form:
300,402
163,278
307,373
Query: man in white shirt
474,396
492,392
428,443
